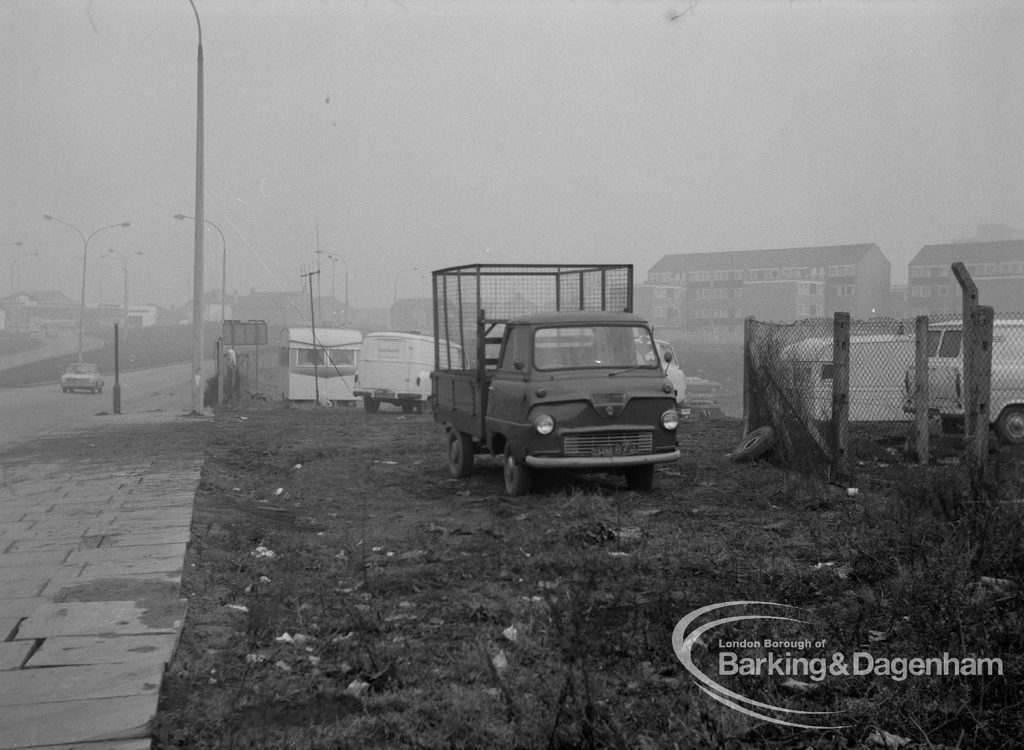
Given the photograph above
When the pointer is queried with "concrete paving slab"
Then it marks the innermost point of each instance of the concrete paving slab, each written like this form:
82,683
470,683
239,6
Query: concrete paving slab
45,544
22,588
156,537
82,588
143,566
139,744
55,556
14,653
75,722
24,687
102,618
38,572
127,554
104,650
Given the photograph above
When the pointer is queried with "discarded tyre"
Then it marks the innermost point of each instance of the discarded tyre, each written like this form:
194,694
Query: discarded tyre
754,445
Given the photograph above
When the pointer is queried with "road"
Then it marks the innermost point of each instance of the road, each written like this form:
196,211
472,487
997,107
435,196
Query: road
37,410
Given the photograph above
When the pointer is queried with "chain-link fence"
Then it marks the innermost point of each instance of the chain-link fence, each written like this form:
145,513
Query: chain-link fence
838,390
791,376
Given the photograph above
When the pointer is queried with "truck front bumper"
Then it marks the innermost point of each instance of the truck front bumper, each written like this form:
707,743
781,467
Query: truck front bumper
600,462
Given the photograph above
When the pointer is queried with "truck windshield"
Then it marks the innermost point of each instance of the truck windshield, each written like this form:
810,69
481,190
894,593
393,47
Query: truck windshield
561,348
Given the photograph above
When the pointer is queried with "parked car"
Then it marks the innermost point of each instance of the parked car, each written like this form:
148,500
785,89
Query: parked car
82,376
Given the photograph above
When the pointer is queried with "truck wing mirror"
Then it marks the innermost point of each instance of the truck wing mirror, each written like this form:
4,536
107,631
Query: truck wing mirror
668,356
518,364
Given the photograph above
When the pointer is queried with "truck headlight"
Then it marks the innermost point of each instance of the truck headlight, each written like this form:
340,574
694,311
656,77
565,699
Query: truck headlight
670,419
544,423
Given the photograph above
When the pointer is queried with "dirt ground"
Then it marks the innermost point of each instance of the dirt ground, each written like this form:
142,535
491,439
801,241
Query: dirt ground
345,591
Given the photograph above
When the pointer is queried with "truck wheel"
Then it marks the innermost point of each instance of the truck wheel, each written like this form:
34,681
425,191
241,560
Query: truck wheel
408,407
640,478
1010,425
371,405
460,454
754,444
517,475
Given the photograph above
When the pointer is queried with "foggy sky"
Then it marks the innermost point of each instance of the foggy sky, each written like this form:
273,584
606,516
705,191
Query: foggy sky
427,134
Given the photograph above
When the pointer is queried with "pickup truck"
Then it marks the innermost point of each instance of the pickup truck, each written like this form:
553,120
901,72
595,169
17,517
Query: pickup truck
546,367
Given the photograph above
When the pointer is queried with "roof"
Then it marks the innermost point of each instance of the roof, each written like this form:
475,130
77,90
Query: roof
303,337
741,259
969,252
578,317
43,297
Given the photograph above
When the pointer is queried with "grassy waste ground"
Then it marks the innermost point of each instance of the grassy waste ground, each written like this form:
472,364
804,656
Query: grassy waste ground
345,592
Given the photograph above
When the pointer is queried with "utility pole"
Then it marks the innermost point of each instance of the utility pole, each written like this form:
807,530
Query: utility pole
312,328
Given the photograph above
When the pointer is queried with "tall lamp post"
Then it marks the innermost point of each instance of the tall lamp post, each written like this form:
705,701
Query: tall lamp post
394,297
85,255
334,264
16,278
223,262
124,268
12,244
197,266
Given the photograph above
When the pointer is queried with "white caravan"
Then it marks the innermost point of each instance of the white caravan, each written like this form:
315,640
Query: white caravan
325,367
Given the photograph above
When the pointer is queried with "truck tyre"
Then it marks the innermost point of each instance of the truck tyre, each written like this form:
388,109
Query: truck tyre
754,444
517,475
371,405
1010,425
640,478
460,454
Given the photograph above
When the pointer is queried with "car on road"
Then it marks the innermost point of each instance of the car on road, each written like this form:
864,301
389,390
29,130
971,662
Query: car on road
82,376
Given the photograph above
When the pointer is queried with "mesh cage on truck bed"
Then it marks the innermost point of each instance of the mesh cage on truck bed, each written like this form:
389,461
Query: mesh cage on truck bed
472,303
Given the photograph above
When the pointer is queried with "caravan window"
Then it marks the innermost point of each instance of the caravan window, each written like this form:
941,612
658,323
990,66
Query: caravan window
342,356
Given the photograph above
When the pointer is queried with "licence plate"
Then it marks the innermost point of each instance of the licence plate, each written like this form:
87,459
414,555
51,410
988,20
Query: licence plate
618,449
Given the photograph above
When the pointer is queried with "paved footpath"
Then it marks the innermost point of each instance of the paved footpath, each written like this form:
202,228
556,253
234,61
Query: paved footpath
92,544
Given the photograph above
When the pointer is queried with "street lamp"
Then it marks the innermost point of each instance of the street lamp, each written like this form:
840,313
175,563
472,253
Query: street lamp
200,219
85,255
394,297
334,264
124,267
14,263
223,263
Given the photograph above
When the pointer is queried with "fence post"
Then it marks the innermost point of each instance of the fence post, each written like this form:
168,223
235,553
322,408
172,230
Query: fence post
840,392
921,389
970,301
748,395
976,401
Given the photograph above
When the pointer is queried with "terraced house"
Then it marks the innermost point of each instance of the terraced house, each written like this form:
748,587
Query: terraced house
997,269
711,293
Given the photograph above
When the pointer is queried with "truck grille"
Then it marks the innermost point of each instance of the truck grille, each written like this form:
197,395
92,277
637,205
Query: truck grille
608,444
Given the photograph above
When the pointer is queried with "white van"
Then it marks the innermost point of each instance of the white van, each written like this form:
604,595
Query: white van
878,366
945,377
394,368
325,366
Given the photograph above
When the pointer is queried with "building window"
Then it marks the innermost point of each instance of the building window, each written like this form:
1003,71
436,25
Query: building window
719,293
659,312
737,275
660,291
846,290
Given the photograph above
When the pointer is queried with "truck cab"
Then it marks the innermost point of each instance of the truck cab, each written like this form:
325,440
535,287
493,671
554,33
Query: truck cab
575,390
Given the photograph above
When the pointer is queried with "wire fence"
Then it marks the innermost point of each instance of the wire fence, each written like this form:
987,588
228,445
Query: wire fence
840,391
